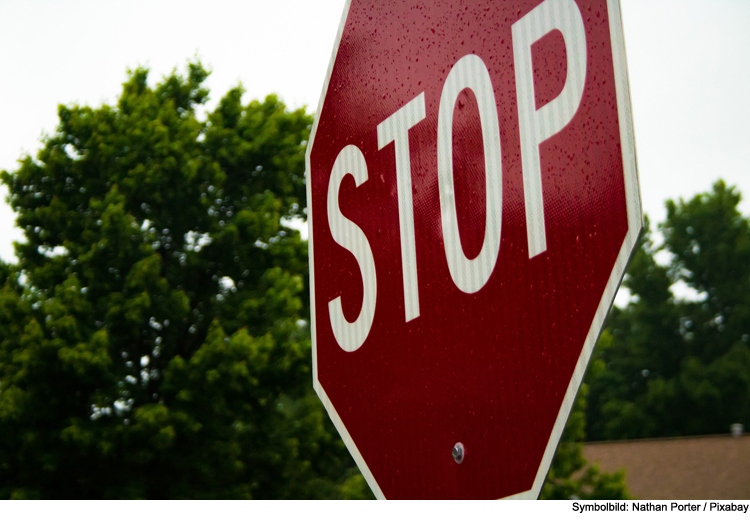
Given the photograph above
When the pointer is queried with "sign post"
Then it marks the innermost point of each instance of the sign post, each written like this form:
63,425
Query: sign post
473,201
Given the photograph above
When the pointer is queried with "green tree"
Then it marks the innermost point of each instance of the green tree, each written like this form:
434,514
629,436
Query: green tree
640,348
153,340
679,367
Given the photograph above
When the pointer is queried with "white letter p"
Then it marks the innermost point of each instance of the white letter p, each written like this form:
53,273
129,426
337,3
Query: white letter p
535,126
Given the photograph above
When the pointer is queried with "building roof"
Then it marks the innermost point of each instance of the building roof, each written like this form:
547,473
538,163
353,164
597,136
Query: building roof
707,467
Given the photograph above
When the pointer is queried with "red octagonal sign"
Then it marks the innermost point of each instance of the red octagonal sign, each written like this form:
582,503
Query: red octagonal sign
473,201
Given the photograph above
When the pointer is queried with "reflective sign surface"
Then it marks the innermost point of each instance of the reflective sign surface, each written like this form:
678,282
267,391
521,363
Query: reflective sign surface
473,199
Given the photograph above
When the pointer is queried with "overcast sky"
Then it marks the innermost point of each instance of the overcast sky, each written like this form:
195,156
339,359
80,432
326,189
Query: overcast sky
689,64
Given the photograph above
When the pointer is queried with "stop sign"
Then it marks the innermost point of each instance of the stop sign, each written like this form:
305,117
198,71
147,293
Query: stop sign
473,201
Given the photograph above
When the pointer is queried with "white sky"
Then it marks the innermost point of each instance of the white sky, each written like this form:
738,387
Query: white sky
689,65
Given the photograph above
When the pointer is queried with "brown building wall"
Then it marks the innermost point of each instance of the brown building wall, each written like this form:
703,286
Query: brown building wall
715,467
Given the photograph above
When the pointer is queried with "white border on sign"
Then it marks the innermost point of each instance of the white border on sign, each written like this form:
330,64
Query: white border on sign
635,224
340,427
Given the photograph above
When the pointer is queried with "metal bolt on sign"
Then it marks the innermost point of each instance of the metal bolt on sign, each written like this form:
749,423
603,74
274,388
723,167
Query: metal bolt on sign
458,452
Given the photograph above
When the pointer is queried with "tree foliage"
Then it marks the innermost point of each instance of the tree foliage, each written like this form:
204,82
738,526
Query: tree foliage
153,340
680,366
